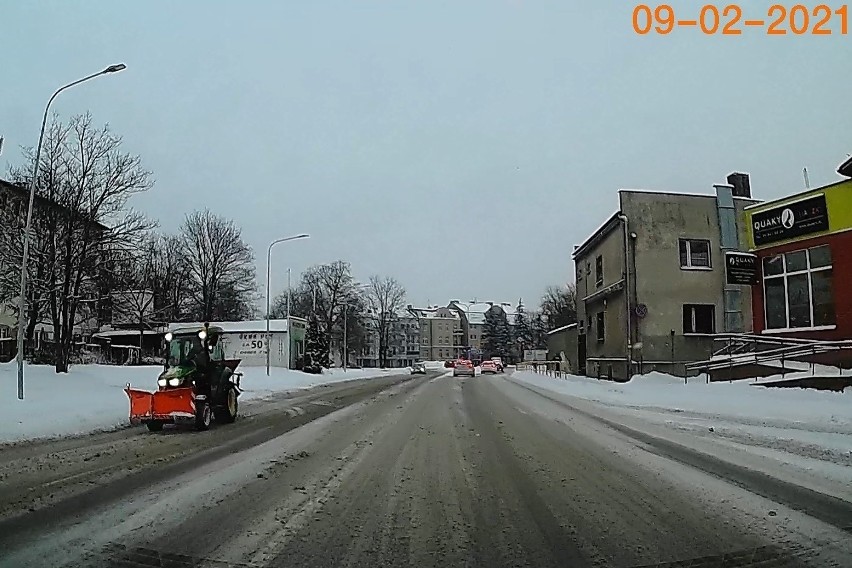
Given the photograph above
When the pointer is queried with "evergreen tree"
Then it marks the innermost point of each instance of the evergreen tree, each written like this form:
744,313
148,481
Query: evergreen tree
523,329
496,335
316,348
538,331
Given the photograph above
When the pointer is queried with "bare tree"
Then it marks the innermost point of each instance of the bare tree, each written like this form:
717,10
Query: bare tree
84,183
385,297
170,278
133,299
220,268
559,305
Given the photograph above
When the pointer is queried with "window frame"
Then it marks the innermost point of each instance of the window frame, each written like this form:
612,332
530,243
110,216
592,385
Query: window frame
783,276
689,265
600,326
599,271
694,319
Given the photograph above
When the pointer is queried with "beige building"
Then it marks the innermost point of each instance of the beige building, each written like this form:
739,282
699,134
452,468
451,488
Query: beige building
651,287
440,333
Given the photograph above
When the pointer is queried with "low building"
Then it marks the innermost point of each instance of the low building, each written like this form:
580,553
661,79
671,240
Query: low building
803,245
246,340
562,346
651,281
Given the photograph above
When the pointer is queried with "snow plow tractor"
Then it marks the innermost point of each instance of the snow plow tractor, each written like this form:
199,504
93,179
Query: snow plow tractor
197,385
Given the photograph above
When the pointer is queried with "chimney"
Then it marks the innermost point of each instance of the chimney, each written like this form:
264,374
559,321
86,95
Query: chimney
742,186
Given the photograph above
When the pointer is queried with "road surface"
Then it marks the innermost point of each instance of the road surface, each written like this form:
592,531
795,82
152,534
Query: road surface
402,471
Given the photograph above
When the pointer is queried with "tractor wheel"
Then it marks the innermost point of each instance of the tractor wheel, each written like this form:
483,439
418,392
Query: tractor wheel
203,416
154,425
228,413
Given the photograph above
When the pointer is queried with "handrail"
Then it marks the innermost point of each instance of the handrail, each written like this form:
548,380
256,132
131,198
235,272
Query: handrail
734,353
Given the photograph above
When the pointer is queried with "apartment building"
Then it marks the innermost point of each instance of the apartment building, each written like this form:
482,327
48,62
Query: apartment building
651,281
441,335
14,200
403,342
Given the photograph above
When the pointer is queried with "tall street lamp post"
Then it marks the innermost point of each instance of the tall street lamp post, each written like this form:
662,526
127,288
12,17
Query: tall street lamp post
269,292
22,298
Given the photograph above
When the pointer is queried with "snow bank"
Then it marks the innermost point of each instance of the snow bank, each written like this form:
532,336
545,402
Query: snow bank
90,397
808,430
739,399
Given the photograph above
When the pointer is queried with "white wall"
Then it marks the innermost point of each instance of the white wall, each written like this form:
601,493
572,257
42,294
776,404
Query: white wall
250,348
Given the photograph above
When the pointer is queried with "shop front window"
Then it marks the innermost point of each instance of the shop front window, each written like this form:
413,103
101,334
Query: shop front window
798,289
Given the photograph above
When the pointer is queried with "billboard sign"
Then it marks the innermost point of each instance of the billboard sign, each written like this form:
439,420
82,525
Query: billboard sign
791,220
740,268
535,354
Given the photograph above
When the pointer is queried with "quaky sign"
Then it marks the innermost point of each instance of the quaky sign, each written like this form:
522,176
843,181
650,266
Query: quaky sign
740,268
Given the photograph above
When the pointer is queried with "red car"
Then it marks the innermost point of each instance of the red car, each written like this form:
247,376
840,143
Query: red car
464,367
489,367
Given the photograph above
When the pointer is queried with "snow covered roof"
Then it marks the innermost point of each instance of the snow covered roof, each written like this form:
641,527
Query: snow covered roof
475,311
253,326
123,332
429,313
563,328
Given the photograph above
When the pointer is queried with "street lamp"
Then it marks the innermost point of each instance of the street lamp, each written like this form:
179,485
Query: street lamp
268,291
22,299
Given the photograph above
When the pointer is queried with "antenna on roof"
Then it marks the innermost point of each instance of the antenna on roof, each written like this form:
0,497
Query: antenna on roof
807,181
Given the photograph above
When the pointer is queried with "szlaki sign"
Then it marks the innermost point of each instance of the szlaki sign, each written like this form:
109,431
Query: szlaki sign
791,220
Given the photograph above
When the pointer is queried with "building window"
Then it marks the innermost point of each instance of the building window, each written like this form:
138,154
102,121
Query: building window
694,253
699,318
600,326
797,289
599,271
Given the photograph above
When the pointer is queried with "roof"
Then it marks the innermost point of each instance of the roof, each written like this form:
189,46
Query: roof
475,311
563,328
429,313
793,198
39,200
123,332
607,227
253,326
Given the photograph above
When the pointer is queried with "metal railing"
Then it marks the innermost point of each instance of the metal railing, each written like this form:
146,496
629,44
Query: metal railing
746,349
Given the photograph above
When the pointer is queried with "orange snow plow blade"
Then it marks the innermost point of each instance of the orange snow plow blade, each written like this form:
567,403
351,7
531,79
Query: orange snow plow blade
160,405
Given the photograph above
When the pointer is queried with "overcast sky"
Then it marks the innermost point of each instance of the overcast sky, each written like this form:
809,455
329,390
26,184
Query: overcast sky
462,147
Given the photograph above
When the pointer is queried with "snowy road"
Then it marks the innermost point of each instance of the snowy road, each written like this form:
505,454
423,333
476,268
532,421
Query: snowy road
431,471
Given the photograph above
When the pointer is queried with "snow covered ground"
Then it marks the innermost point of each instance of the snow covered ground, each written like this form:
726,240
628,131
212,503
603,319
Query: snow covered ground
90,397
809,429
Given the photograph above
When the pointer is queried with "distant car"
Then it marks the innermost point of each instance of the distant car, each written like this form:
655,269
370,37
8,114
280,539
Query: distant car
464,367
449,364
418,369
489,367
499,362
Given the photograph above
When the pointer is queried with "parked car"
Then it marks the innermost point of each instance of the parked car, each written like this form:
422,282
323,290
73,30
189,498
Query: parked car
418,368
464,367
449,364
499,362
489,367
